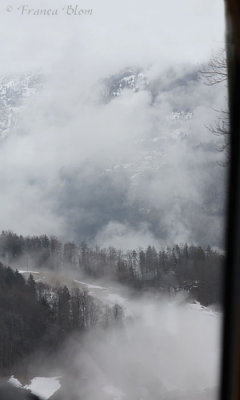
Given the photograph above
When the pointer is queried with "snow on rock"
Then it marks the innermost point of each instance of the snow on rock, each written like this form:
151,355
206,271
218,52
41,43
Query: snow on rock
181,115
40,386
15,382
13,90
130,79
44,387
207,311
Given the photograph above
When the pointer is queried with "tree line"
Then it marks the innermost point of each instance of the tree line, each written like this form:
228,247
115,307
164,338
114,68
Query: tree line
34,316
183,267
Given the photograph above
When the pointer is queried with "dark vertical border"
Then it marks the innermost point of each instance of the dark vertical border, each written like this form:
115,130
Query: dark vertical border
230,377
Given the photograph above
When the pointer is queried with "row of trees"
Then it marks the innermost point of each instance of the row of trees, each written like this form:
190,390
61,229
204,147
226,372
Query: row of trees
183,267
36,317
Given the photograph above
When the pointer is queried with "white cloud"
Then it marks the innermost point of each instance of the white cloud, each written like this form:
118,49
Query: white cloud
54,160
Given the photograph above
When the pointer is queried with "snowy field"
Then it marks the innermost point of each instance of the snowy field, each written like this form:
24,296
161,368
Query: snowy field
44,387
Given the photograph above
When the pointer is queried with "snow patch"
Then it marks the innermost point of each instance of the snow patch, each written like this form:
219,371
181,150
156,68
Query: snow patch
15,382
40,386
90,286
27,272
44,387
207,311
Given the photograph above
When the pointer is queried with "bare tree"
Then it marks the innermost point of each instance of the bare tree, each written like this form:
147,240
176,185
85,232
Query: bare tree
216,69
221,128
215,72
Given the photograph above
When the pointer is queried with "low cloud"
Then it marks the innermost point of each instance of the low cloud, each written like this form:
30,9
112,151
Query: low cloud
161,349
76,164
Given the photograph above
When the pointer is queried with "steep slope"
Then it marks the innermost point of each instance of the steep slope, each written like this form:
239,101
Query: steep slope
13,90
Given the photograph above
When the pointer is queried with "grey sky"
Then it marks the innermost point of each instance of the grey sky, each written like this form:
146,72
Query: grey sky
117,33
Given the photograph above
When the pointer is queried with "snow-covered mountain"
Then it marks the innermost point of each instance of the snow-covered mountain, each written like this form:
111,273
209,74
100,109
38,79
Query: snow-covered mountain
131,79
13,90
151,148
136,79
158,123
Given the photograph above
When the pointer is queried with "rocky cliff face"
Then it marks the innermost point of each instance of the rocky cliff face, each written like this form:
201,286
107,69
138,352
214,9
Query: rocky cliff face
13,90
